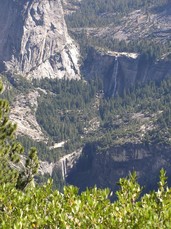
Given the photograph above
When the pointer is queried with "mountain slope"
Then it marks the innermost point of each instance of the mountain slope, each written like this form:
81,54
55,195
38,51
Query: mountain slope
115,106
34,41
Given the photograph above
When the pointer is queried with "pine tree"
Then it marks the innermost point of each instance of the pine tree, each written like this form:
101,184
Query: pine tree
26,176
11,170
9,149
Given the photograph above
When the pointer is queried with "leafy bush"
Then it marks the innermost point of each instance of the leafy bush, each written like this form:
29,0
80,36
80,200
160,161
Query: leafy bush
23,205
41,207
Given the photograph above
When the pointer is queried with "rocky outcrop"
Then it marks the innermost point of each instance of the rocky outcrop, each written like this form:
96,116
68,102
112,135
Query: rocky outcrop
67,163
105,169
121,71
71,7
63,166
23,112
34,41
152,23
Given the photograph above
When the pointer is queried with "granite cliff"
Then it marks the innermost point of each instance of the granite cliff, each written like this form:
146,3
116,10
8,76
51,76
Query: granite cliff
34,41
120,71
105,169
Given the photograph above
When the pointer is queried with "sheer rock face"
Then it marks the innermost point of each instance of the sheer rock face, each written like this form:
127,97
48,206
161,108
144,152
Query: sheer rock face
122,71
105,169
34,40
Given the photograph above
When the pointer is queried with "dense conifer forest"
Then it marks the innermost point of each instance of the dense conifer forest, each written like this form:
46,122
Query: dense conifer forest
79,113
66,114
99,14
25,204
96,13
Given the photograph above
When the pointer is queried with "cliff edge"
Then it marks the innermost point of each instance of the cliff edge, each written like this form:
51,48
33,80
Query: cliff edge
34,41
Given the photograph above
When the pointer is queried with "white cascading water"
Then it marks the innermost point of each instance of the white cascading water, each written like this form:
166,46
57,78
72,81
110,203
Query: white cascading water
64,168
68,161
114,76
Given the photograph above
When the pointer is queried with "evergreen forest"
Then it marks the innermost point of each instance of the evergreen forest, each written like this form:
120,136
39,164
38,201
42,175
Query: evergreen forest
76,114
26,204
98,14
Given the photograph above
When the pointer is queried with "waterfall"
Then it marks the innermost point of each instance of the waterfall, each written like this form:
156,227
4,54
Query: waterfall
113,86
67,162
64,168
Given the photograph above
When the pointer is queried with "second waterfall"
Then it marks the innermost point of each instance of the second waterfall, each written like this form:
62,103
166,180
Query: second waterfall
113,85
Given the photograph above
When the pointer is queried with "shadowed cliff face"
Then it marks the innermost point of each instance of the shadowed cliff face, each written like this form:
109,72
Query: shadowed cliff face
34,40
121,71
105,169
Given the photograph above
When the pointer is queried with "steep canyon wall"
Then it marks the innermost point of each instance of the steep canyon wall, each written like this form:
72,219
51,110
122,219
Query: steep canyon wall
105,169
34,40
129,70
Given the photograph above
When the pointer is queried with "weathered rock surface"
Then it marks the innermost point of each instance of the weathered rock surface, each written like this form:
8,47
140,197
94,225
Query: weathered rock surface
121,71
67,163
151,23
23,112
105,169
71,6
34,40
62,166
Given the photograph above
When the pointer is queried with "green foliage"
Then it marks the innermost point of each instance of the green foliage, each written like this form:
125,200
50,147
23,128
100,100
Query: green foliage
146,105
44,152
10,153
67,108
100,13
9,149
149,49
41,207
31,168
95,13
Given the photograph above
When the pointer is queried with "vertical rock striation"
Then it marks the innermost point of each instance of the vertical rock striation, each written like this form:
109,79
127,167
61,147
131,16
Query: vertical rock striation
34,40
113,83
121,71
105,169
